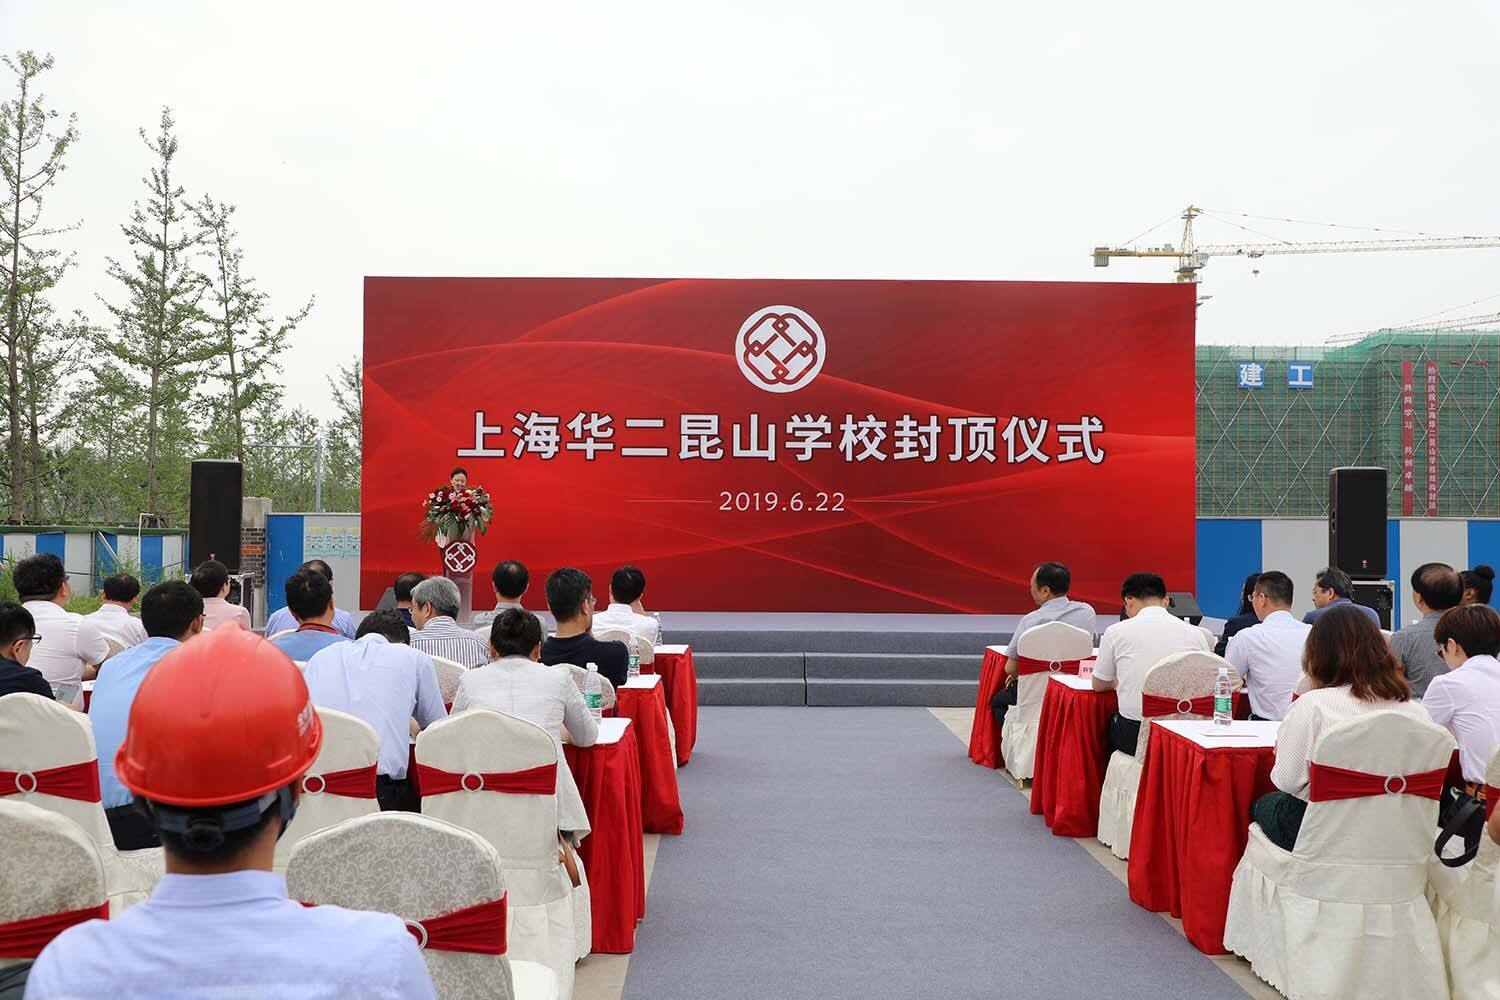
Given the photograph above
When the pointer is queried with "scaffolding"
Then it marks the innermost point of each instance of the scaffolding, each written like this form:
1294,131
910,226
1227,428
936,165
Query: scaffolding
1272,421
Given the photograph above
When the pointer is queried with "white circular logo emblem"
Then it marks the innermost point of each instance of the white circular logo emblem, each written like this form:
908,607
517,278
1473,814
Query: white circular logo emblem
780,349
460,557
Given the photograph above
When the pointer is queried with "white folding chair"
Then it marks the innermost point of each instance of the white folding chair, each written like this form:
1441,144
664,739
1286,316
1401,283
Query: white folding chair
340,784
46,754
49,865
496,775
1344,914
420,869
1050,647
1468,917
580,677
635,643
449,673
277,635
1183,679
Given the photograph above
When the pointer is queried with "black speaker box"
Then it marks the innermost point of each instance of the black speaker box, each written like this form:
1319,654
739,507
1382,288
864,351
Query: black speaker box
1356,521
214,513
1379,595
1185,606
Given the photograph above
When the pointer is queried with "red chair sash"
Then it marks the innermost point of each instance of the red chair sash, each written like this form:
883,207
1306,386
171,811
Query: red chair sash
1329,783
477,929
1153,705
26,938
541,780
71,781
1026,666
355,783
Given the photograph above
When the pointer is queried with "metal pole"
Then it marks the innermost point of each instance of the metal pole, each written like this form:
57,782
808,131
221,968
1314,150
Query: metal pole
318,475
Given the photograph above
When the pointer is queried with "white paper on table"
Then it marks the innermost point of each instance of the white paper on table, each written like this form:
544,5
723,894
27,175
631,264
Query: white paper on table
1239,733
611,731
643,682
672,649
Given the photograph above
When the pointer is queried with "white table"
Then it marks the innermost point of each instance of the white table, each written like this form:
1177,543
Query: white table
676,649
643,682
1239,733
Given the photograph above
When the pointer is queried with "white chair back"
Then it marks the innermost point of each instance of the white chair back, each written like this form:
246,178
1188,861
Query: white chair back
580,677
635,643
522,827
348,743
36,734
1050,641
48,865
1383,830
277,635
449,673
413,866
1184,677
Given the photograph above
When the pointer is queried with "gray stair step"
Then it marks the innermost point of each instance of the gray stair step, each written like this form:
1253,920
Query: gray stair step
752,691
894,666
784,666
857,692
838,641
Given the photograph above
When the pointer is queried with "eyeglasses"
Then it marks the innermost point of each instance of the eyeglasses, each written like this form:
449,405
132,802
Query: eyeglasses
30,638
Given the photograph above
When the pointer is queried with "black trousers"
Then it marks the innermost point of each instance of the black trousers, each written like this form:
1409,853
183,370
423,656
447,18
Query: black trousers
1123,734
1003,701
396,795
1280,817
131,829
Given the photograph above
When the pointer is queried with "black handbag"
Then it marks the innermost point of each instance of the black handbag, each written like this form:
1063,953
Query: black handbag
1464,818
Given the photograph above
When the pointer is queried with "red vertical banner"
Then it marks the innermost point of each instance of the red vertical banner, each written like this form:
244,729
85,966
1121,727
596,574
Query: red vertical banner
1408,441
1432,439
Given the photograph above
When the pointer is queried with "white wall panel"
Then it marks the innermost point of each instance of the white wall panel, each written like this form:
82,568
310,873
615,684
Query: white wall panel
78,560
19,546
1299,548
1426,540
173,556
335,538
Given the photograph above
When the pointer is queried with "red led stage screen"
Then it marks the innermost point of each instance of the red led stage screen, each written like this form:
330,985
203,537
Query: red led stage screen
867,446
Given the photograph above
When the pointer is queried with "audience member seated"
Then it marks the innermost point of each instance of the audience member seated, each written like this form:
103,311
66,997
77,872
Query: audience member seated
220,923
283,620
310,598
1479,584
1353,672
1243,619
517,684
172,613
625,589
402,589
1332,588
510,578
379,678
17,636
434,607
1436,587
113,617
1049,589
570,595
1129,648
211,581
71,646
1466,700
1269,655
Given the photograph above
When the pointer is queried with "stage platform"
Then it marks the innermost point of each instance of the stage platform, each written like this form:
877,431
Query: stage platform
838,659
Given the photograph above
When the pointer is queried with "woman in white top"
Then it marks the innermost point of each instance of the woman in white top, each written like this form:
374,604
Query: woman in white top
1467,699
518,685
1353,672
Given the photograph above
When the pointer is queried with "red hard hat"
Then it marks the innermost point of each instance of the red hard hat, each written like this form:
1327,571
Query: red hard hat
223,718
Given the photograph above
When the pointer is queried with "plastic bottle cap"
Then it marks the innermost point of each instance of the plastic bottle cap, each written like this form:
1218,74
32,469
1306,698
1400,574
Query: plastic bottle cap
593,666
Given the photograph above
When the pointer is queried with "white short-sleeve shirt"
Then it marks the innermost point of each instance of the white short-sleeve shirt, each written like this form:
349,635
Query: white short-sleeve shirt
1130,648
114,620
69,643
1467,702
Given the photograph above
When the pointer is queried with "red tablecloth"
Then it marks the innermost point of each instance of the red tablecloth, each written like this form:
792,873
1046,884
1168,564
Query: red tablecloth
1072,754
1192,820
680,679
661,809
609,779
984,737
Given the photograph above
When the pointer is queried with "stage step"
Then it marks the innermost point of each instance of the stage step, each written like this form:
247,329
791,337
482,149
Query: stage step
935,643
748,666
751,690
863,691
893,666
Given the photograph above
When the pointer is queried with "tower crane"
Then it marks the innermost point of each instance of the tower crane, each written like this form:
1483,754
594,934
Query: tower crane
1192,256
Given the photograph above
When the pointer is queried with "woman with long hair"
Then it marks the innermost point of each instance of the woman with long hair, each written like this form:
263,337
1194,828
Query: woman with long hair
1243,619
1353,672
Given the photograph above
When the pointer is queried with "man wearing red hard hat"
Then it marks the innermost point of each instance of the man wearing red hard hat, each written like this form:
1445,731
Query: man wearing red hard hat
220,733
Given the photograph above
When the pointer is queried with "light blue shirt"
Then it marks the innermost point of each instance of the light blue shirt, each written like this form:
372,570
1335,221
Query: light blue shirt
228,937
281,619
109,709
302,645
1060,609
385,683
1342,602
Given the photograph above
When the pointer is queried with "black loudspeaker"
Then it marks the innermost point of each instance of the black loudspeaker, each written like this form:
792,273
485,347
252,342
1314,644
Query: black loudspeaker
1356,521
214,513
1185,606
1379,595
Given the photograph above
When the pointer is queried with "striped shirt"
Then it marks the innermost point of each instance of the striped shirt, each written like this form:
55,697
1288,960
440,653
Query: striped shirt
441,636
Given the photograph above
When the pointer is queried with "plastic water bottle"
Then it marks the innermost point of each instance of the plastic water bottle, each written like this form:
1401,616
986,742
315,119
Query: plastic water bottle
593,693
634,670
657,616
1223,698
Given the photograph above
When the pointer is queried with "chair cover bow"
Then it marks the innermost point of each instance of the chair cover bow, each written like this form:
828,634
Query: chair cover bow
1330,783
478,929
79,782
355,783
1153,705
26,938
1026,666
540,780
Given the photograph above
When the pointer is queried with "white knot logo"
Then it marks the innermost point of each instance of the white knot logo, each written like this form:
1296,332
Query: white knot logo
780,349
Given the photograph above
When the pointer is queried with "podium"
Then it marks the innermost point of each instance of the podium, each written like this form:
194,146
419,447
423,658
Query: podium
459,558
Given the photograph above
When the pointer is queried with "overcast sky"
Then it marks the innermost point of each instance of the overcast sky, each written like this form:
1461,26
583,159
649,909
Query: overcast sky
791,139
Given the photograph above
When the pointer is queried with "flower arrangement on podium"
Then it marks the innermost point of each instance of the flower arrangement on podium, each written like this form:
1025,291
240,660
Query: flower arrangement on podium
451,514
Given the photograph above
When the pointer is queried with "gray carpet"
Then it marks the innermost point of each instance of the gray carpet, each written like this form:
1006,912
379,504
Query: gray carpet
856,853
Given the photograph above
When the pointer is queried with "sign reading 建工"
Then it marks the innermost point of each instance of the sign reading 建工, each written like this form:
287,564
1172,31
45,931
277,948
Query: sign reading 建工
790,445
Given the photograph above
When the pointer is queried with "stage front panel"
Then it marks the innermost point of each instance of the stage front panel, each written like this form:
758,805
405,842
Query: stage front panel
767,445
